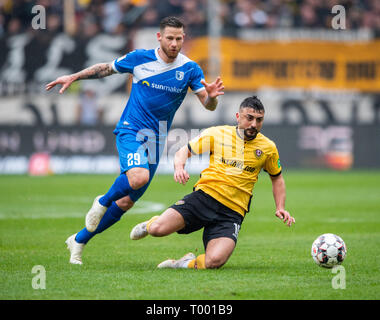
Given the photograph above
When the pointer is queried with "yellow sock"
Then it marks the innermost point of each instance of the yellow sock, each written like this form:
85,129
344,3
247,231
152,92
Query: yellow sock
150,222
198,262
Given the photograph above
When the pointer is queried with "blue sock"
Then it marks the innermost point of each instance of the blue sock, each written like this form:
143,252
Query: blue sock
84,236
118,190
112,215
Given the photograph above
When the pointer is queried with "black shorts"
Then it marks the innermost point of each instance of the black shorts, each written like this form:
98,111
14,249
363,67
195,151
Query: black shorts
200,210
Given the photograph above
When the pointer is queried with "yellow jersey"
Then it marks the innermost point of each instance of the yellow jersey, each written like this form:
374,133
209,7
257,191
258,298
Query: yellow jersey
234,165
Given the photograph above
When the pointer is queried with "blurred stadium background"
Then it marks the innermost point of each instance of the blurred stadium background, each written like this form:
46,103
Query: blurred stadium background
319,81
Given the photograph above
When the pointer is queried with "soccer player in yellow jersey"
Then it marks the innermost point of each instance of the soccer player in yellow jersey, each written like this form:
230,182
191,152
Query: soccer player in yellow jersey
222,195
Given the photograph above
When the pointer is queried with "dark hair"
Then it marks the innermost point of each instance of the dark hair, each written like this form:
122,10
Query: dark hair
171,22
252,102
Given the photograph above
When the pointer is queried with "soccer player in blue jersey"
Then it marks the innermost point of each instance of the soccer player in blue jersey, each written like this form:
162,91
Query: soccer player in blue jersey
161,78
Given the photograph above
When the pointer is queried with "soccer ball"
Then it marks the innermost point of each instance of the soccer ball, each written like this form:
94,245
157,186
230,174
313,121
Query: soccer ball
328,250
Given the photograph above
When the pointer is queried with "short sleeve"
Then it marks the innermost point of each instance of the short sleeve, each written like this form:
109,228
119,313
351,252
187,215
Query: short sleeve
202,143
126,63
272,163
195,81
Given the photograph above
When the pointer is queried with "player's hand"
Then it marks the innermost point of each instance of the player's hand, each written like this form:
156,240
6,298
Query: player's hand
214,89
285,217
65,81
181,176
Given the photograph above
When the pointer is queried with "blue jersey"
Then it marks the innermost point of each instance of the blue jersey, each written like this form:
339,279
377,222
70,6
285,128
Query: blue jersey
158,89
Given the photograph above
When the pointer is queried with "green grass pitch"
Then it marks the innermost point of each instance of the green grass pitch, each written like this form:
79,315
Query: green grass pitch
271,261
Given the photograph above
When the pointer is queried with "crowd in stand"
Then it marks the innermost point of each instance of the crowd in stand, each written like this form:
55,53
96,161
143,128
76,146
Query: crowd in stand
120,16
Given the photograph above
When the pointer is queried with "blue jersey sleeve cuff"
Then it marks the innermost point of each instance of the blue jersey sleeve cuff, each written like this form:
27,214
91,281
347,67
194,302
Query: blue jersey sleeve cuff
199,90
114,67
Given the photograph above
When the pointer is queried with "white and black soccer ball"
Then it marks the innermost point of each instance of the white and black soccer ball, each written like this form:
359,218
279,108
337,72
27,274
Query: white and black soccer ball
328,250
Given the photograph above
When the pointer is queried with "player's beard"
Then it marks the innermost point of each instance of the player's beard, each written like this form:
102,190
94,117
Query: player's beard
169,53
250,133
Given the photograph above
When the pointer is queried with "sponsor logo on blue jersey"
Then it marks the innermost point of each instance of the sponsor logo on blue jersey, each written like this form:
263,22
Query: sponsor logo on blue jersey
166,88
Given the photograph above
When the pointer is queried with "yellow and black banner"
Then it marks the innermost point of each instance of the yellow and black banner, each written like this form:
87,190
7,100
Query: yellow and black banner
294,64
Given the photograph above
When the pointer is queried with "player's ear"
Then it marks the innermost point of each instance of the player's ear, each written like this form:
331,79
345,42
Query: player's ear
159,36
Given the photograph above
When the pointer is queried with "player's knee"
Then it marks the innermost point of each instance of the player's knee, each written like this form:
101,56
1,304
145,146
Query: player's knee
125,203
214,261
157,230
139,179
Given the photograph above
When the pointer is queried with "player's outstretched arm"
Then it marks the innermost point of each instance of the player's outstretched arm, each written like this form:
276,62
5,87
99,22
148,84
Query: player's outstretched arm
279,195
209,96
96,71
180,158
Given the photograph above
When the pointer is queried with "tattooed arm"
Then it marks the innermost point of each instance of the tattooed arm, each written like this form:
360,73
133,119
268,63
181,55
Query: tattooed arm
96,71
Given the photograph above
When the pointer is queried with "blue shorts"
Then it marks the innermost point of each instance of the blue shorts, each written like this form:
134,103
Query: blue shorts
138,150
